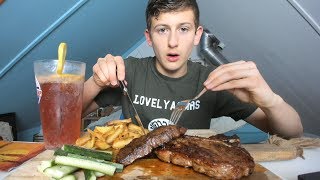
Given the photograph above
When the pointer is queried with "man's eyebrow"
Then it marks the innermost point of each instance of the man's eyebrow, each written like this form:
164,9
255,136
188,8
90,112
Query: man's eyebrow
186,23
165,25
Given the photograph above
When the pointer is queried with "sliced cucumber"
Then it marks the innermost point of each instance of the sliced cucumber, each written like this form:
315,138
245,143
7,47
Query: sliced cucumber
69,177
87,152
60,152
119,167
99,174
89,175
45,164
105,151
59,171
86,164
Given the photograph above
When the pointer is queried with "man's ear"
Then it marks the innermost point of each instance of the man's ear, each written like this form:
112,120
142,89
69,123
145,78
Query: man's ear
148,37
198,35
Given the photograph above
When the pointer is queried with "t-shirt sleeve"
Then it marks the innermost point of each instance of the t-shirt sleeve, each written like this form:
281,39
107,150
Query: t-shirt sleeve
109,96
229,105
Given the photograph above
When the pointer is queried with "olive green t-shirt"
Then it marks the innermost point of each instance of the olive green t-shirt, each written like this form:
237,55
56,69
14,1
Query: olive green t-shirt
155,96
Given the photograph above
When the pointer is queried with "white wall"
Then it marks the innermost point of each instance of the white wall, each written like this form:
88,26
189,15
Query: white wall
282,37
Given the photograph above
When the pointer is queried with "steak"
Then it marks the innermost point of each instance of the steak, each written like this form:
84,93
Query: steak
232,140
144,145
216,157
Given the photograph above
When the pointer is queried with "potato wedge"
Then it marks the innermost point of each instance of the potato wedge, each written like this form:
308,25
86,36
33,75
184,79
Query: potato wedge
101,145
90,144
96,134
134,135
115,122
116,133
135,128
82,140
120,143
103,129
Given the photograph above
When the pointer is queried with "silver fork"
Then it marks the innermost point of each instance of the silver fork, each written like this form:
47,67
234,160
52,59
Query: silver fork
181,107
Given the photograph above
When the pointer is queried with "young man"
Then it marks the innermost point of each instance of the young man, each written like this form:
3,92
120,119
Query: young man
157,83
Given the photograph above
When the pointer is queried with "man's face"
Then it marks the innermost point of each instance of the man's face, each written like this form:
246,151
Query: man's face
172,36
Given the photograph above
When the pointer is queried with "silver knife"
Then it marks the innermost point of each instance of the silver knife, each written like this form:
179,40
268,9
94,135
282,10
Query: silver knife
125,89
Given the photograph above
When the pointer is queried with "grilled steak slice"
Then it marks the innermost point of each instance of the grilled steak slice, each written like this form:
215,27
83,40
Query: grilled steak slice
233,140
142,146
210,156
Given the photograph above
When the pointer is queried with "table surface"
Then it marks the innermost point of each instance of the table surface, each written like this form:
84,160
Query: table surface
141,169
288,169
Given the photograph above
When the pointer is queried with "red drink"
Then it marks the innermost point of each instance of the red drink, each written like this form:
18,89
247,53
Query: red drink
60,100
60,112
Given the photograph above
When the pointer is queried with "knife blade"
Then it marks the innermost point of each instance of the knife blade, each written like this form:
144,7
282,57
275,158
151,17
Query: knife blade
137,117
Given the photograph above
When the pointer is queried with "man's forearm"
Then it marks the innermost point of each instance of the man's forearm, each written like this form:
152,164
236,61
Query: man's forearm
282,119
90,91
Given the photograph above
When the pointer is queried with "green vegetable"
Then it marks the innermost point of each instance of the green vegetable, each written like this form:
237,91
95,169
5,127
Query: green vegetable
86,164
89,175
44,165
87,152
59,171
119,167
69,177
99,174
60,152
105,151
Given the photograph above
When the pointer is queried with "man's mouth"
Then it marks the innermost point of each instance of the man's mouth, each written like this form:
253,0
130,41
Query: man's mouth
173,57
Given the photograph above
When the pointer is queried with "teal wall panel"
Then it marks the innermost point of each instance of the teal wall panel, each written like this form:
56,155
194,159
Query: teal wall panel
32,30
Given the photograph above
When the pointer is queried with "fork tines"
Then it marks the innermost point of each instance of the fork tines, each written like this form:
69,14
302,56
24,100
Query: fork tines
178,110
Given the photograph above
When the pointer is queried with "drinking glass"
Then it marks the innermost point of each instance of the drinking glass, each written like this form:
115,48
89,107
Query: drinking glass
60,100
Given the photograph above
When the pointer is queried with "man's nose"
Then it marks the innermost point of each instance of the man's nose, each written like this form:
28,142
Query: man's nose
173,39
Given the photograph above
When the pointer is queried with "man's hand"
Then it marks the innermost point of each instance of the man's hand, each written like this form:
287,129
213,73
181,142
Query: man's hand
243,79
108,71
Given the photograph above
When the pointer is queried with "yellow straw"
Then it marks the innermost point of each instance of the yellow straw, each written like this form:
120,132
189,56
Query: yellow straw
62,51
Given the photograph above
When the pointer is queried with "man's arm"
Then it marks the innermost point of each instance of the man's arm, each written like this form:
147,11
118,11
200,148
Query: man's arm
280,119
243,80
106,73
90,91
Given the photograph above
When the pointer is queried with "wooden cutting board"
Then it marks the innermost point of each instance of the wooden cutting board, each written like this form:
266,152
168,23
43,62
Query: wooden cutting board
141,169
272,152
12,154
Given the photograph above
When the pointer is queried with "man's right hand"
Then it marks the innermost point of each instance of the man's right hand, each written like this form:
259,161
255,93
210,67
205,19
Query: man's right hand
108,71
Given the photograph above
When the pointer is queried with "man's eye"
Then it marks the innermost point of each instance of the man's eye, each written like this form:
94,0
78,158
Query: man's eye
184,29
162,30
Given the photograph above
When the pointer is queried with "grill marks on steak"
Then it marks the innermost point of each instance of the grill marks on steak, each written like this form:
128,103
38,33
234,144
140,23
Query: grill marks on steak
144,145
211,156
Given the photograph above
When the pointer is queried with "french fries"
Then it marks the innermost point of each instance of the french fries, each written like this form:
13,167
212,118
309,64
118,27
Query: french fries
116,134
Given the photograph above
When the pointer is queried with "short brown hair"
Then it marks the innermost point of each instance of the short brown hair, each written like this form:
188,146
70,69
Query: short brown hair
155,7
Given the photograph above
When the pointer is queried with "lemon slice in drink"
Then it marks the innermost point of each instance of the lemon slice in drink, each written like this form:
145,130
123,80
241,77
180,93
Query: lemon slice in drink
66,77
62,51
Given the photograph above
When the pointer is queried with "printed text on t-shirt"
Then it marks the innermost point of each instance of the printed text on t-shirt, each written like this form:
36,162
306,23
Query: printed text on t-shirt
162,103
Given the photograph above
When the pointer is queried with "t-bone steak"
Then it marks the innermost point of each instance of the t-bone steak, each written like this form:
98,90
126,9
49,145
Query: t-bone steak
216,156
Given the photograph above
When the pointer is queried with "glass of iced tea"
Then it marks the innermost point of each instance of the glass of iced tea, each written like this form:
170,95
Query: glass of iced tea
60,101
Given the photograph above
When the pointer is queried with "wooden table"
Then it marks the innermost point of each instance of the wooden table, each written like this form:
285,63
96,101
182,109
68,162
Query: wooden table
141,169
